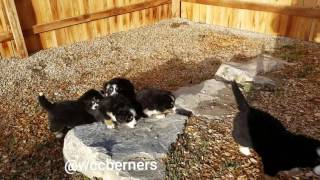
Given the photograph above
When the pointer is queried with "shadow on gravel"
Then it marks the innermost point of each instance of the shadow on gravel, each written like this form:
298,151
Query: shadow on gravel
177,73
44,159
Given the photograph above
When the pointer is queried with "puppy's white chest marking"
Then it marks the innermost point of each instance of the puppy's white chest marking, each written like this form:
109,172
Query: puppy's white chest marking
94,106
150,113
244,150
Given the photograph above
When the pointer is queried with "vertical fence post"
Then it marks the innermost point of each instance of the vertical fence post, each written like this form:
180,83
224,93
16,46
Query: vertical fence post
176,8
15,28
313,25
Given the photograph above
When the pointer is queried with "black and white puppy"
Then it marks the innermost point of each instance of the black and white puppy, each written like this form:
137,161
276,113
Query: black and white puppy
156,102
119,86
119,109
148,102
278,148
126,88
68,114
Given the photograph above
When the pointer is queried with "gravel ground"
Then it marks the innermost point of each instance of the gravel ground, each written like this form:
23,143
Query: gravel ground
168,55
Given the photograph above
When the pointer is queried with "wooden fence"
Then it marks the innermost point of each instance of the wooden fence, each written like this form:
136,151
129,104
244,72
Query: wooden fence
31,25
292,18
27,26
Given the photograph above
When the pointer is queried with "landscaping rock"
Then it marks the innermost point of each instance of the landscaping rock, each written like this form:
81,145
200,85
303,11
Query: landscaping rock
249,71
208,99
149,141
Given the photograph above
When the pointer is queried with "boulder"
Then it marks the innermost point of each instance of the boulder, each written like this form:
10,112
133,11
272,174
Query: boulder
89,146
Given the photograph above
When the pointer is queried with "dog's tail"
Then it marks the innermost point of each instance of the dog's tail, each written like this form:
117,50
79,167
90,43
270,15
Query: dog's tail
316,169
44,102
240,99
183,112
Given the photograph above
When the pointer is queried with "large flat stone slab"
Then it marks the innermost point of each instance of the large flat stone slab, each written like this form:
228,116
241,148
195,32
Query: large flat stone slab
208,99
149,141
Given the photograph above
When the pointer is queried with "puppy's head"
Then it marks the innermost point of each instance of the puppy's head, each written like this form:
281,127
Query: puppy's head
119,86
167,103
91,99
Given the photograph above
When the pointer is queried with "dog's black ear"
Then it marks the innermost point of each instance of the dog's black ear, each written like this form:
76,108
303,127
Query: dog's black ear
105,85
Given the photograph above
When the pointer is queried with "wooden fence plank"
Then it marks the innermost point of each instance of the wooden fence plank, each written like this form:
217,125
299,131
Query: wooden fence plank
288,10
48,39
285,17
176,8
313,25
15,28
134,18
202,13
6,48
6,36
94,16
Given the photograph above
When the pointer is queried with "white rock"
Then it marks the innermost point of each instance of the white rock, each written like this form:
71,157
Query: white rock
248,72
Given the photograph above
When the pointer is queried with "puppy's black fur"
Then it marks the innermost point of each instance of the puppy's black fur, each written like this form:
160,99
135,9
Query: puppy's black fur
126,88
278,148
119,86
152,99
92,99
68,114
120,107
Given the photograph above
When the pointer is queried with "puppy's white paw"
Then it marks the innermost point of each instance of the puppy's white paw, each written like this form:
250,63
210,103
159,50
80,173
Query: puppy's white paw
58,134
109,124
245,150
112,126
160,116
41,94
